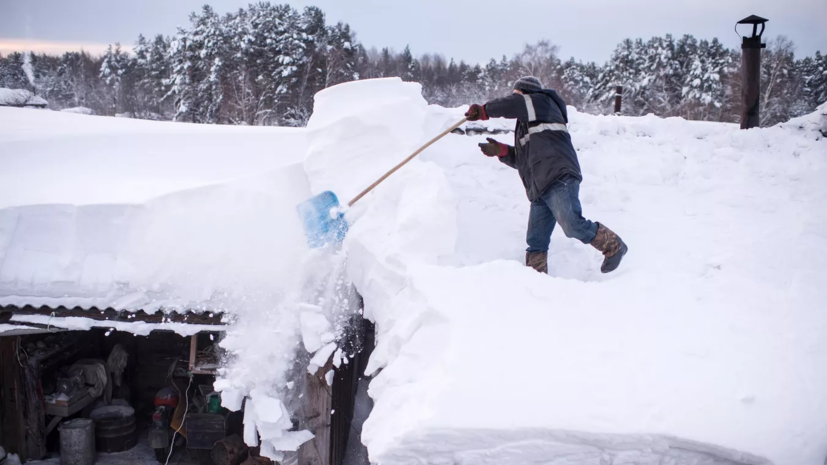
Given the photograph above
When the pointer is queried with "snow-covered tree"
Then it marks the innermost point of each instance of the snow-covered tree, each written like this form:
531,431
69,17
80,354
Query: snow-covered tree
812,73
12,75
625,68
541,61
405,65
577,81
779,87
115,67
703,91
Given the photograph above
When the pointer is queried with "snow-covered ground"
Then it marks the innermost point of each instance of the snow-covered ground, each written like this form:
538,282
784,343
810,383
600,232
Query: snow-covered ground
705,347
141,454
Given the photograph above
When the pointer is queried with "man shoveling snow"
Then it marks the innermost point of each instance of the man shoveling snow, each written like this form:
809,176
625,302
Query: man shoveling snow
547,163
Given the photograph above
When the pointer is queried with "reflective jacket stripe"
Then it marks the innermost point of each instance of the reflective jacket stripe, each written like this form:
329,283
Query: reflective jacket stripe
543,127
529,105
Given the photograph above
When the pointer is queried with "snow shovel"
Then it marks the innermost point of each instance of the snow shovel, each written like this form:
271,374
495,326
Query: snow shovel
325,223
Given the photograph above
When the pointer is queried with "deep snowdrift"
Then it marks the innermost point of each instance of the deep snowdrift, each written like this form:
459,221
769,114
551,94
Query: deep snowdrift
705,347
55,157
228,241
708,340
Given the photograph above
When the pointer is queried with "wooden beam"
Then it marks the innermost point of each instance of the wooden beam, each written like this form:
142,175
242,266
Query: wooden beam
193,350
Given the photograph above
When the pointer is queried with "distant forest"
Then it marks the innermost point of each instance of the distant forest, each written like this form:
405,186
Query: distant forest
263,64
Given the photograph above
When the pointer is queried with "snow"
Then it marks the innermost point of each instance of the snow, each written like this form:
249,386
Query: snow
19,97
198,249
141,454
707,342
140,328
705,347
127,161
104,238
78,110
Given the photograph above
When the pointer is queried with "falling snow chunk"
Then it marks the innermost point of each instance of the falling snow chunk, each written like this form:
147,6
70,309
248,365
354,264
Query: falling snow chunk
337,358
313,326
320,359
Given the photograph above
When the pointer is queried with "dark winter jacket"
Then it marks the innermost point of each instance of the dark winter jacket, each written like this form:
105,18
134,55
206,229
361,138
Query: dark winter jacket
542,151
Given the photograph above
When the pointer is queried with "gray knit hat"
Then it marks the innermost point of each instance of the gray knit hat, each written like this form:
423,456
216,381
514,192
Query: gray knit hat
528,84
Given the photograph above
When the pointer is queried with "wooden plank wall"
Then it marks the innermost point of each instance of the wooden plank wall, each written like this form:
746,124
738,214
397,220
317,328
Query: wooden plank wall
12,400
328,411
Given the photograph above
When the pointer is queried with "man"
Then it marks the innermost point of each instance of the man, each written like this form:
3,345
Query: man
547,163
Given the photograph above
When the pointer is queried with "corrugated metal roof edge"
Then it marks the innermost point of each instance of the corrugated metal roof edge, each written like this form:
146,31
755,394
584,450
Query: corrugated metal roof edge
110,314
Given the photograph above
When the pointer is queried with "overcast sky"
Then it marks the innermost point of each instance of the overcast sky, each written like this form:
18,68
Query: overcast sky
473,30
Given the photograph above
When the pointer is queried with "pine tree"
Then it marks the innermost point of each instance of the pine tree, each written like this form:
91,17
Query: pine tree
703,91
115,66
207,63
341,56
181,91
143,90
813,75
405,65
12,75
577,80
660,92
494,78
158,74
387,65
624,68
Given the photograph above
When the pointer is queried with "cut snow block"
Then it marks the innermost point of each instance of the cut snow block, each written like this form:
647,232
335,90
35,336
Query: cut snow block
323,222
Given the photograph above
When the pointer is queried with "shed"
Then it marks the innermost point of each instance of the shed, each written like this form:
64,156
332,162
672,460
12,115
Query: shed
21,98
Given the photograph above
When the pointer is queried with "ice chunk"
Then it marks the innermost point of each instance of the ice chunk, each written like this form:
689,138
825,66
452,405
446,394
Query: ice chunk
313,326
320,359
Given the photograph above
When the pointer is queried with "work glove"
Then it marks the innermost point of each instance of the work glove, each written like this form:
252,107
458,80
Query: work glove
493,148
476,112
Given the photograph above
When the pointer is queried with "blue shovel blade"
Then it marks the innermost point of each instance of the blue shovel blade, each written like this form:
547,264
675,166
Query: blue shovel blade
322,224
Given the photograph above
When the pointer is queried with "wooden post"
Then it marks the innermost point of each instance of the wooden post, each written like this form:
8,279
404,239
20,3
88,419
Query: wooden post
751,82
618,97
193,351
316,411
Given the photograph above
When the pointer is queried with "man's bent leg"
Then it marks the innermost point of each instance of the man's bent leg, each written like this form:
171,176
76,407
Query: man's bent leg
563,200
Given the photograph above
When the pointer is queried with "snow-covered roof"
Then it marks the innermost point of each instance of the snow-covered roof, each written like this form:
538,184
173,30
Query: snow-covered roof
63,158
103,212
20,98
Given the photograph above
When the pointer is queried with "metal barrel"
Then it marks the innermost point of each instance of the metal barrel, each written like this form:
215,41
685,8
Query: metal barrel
77,442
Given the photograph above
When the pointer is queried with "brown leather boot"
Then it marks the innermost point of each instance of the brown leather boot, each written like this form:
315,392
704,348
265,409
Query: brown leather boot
537,260
612,247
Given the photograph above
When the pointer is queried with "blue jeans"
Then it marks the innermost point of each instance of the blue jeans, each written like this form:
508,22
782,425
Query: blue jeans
558,204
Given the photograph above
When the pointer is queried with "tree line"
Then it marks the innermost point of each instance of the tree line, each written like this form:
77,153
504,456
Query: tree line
261,65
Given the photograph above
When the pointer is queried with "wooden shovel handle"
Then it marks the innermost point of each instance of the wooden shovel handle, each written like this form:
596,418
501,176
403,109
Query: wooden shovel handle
400,165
